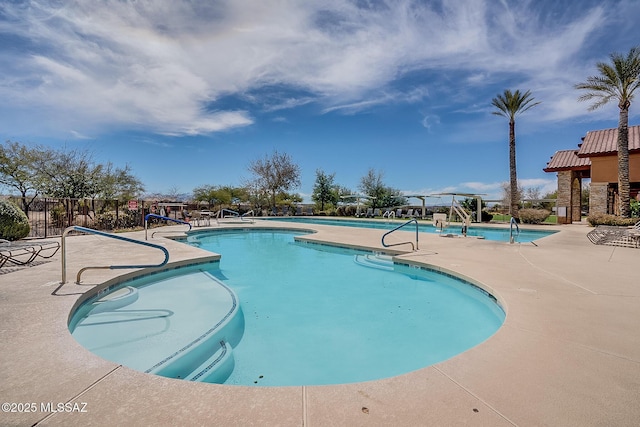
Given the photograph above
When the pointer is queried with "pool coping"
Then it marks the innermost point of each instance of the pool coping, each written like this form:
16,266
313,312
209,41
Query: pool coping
573,309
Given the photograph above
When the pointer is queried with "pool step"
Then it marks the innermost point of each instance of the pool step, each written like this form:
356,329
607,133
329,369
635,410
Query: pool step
115,300
208,358
378,261
217,368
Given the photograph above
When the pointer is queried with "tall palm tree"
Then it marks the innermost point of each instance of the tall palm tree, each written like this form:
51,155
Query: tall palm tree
510,104
617,81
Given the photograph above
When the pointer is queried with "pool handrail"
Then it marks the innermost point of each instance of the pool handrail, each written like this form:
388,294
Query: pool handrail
511,223
414,248
166,218
111,267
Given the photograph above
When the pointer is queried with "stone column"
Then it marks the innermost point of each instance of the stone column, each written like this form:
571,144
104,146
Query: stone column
576,197
564,197
598,198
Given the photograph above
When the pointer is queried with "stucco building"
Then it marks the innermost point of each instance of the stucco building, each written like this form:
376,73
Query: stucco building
596,158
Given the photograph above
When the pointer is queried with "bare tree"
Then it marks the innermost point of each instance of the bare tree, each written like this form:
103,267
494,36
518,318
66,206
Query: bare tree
275,174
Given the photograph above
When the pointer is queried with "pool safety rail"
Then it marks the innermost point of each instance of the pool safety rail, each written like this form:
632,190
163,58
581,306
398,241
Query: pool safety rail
413,247
111,267
513,236
166,218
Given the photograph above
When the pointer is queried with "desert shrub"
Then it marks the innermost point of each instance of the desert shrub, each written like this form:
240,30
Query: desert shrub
486,216
606,219
635,208
346,210
58,214
14,224
108,220
533,216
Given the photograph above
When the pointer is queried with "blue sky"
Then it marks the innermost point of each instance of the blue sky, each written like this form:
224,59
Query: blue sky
189,93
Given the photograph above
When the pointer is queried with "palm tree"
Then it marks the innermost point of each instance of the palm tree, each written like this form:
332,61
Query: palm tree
509,105
617,81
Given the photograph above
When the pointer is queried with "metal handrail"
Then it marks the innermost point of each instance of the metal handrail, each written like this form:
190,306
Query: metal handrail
511,223
151,215
111,267
403,243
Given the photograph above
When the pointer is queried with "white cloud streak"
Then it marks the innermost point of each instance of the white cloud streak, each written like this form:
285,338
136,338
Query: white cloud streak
165,66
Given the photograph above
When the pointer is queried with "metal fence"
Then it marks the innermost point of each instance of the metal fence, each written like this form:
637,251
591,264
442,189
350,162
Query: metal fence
49,217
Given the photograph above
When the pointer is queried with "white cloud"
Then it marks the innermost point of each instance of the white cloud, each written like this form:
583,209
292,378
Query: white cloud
482,186
164,66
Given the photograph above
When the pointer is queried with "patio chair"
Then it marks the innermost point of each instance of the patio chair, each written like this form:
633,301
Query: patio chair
399,213
25,252
309,211
377,212
369,213
409,214
298,210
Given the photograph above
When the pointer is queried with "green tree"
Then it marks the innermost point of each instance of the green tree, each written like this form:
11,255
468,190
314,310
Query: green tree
380,195
509,105
275,174
118,183
372,185
212,195
324,189
19,170
617,81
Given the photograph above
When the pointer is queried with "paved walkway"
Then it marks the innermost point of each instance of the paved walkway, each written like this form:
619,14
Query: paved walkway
568,353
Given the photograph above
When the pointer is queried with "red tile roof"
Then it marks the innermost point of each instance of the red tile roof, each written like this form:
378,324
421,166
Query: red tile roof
567,160
605,142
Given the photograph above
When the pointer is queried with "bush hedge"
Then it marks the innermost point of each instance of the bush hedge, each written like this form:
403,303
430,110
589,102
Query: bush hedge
533,216
606,219
14,224
486,216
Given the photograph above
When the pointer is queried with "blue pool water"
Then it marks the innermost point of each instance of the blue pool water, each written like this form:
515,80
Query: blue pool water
305,314
488,233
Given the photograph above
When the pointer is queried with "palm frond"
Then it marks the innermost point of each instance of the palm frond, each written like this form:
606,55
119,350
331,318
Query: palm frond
509,104
617,80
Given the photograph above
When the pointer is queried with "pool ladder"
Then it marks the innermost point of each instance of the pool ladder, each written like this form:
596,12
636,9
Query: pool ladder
513,222
413,247
166,218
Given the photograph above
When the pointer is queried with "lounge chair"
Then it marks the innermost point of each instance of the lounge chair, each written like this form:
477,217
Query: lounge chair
298,210
309,211
377,212
369,213
25,252
616,236
399,213
409,214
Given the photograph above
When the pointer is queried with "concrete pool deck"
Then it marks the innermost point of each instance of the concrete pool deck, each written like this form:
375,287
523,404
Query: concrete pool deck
567,354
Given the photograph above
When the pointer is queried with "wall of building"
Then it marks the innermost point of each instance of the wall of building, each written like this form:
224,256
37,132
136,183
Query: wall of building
605,169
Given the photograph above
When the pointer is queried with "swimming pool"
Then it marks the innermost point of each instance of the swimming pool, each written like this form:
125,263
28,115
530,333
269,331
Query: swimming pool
488,233
305,314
